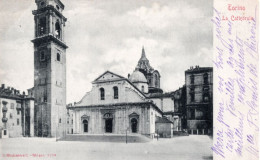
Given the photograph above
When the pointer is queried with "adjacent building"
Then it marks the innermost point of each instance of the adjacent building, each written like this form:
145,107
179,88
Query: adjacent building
178,115
69,125
16,113
199,99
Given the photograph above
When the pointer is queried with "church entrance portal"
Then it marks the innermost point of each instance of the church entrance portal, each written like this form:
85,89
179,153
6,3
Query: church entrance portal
109,125
134,125
85,125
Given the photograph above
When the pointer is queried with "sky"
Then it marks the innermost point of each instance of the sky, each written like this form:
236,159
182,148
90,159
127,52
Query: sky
109,35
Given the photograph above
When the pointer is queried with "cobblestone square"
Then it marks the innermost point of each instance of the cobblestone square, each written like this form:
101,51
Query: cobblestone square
194,147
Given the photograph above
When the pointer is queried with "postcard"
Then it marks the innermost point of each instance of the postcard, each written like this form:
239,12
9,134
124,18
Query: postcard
158,79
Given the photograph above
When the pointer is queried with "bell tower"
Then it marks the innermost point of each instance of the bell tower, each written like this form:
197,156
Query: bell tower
49,69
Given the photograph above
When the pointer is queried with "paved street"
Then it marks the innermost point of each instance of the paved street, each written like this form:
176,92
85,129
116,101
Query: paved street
179,148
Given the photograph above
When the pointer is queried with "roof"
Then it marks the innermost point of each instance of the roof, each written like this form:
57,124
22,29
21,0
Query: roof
198,69
137,76
160,95
10,93
163,120
115,105
62,5
172,113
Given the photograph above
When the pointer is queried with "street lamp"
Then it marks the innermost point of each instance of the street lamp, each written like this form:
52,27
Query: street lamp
126,134
157,134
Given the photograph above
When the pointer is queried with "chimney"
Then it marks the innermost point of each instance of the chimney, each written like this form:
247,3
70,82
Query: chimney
23,93
128,75
3,86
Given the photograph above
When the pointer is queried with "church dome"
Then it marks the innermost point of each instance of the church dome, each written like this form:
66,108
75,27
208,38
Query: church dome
137,76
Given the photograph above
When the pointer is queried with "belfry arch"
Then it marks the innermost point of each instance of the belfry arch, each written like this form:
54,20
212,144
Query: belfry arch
58,30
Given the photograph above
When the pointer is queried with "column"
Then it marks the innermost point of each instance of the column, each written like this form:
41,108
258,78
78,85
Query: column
31,118
62,30
36,21
50,24
74,121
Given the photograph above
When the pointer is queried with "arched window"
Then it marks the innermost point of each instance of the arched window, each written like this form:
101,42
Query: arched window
42,26
192,79
142,88
102,93
149,81
115,92
42,3
58,56
57,30
42,56
58,8
206,97
192,94
191,114
156,80
205,78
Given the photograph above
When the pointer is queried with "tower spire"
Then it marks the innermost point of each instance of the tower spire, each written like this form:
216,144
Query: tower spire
143,56
143,62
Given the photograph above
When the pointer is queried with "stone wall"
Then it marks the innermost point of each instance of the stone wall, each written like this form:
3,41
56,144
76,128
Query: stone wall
14,115
126,93
164,129
122,116
164,103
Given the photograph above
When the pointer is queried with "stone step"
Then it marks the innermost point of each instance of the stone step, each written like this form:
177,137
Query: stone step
106,138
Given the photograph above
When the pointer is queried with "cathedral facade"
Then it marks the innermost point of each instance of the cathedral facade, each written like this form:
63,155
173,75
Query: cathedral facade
117,104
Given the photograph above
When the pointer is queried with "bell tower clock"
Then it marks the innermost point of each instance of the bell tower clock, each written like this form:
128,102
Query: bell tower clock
49,69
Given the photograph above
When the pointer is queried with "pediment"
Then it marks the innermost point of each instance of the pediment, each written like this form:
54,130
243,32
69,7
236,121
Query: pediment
134,115
108,76
84,117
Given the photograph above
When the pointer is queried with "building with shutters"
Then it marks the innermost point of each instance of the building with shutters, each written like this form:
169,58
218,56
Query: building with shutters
16,113
199,99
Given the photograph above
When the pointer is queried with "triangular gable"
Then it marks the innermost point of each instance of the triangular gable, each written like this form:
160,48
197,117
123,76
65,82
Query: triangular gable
108,76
